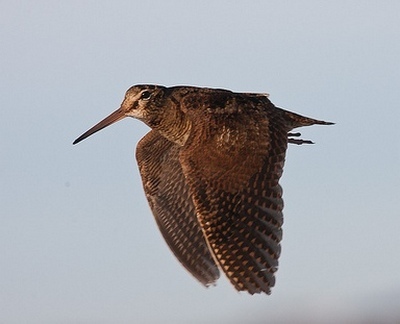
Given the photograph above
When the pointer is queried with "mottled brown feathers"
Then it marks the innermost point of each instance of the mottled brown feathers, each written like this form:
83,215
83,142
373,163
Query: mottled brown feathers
210,168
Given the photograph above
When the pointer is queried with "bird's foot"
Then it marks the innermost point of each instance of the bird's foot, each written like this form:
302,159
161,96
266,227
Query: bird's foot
297,141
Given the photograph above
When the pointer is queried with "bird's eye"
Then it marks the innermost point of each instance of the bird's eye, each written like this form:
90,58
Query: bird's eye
145,95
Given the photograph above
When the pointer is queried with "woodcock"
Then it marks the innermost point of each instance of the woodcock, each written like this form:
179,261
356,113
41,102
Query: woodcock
210,168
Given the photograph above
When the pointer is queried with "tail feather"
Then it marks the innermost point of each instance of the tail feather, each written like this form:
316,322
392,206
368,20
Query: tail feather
295,120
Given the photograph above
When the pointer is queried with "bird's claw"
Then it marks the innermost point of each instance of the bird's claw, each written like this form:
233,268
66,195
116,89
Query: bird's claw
298,141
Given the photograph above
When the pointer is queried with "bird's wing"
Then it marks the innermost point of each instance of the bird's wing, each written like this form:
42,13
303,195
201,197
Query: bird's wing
233,165
173,209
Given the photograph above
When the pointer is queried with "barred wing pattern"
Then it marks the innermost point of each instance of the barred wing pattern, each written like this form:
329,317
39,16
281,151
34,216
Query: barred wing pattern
172,207
237,196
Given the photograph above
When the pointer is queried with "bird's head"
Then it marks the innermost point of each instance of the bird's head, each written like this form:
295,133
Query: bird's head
143,102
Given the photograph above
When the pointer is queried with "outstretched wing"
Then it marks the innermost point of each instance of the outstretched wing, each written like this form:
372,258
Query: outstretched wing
233,166
173,209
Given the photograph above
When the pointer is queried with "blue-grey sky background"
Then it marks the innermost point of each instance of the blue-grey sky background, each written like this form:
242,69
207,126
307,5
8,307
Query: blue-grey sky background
78,243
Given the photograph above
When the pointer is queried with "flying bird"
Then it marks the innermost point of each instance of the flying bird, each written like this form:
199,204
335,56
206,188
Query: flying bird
210,167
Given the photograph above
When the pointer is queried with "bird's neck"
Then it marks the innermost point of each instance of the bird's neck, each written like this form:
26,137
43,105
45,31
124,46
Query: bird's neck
176,128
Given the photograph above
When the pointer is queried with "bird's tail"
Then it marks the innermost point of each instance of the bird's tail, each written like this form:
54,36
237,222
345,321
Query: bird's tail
295,120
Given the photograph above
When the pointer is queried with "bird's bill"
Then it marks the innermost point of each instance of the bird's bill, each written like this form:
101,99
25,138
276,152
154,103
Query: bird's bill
111,119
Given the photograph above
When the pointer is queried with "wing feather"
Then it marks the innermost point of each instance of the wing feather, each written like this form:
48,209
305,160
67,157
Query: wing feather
233,166
173,209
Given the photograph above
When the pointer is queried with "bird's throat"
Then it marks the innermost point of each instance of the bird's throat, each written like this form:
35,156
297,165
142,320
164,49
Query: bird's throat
179,132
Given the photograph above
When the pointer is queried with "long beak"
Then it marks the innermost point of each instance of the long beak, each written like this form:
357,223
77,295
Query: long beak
111,119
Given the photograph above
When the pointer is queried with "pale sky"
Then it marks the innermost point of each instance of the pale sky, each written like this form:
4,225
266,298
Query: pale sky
78,243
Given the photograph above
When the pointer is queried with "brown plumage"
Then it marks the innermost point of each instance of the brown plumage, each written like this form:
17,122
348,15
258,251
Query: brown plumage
210,168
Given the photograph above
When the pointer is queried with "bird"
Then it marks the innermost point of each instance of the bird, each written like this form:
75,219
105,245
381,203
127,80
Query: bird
210,168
